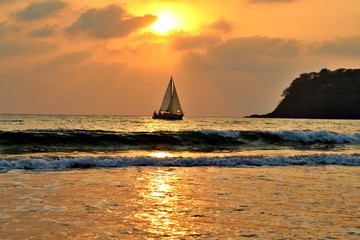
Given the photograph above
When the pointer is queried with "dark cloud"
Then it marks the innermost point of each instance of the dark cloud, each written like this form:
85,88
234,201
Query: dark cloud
341,46
43,32
222,25
39,10
109,22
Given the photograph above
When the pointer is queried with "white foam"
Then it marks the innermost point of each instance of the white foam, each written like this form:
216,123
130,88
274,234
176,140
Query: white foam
235,161
316,136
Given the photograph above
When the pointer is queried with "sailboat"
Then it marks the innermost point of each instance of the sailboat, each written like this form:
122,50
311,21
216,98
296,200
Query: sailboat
170,107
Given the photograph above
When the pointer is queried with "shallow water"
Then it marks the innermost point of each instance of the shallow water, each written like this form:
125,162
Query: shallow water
182,203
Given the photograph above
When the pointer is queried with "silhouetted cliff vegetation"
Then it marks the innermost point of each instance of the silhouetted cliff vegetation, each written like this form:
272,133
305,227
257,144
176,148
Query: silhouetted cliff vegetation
327,94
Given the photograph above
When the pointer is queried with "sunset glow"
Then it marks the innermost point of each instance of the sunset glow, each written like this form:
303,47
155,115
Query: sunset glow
165,23
229,58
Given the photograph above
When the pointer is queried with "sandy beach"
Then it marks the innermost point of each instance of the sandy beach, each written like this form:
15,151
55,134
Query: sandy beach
182,203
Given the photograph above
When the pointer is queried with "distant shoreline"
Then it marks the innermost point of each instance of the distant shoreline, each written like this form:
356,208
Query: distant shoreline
323,95
310,118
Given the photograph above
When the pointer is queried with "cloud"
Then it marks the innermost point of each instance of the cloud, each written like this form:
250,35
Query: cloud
222,25
10,47
194,42
109,22
74,84
7,30
67,61
36,11
6,1
245,73
70,58
43,32
250,54
341,46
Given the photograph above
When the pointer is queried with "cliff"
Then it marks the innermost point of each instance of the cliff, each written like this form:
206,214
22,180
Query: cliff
327,94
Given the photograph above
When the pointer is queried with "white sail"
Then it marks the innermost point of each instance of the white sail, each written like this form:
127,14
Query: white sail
174,106
167,97
170,107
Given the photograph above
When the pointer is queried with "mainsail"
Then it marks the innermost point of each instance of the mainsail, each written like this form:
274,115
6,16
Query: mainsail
167,97
174,106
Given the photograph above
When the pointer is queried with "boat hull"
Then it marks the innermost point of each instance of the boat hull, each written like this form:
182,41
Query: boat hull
168,116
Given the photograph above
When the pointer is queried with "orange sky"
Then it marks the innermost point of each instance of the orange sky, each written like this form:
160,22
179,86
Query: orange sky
228,58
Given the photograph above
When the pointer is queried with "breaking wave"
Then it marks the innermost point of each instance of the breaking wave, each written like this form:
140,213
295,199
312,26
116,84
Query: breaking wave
62,140
316,136
63,163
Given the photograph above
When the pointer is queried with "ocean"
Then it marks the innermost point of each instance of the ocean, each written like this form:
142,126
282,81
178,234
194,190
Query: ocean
58,142
131,177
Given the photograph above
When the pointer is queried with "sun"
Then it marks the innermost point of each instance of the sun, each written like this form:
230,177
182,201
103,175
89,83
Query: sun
164,24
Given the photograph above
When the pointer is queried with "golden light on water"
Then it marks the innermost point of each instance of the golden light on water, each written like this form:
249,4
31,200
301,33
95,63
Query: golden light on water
161,154
162,215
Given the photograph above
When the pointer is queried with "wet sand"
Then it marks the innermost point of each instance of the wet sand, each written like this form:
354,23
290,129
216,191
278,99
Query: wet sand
182,203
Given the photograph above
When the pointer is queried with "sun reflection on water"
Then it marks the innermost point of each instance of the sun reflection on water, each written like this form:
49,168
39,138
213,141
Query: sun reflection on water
161,154
161,214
